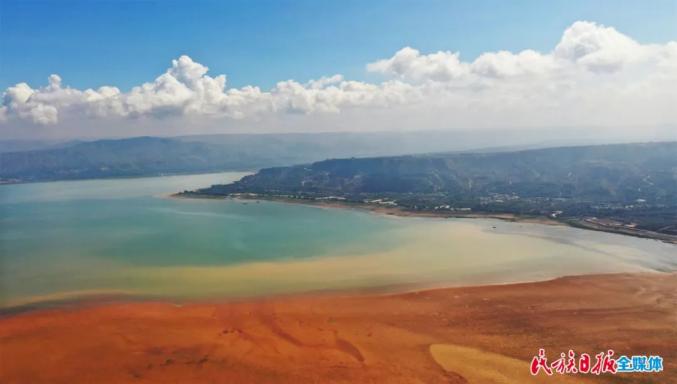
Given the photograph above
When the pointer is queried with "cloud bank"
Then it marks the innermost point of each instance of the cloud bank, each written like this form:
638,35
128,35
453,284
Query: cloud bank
595,75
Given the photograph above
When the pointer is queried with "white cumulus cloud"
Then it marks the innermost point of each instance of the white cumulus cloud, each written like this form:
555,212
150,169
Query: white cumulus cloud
594,75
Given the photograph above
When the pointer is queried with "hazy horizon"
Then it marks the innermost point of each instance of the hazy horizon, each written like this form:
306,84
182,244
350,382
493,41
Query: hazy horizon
463,140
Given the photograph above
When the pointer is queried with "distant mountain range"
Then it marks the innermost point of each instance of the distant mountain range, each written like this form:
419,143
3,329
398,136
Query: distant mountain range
627,182
25,161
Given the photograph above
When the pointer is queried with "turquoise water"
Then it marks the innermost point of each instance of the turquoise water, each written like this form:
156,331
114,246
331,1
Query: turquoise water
126,236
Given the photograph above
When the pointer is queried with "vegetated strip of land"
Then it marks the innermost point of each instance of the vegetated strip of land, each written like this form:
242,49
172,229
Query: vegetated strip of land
626,188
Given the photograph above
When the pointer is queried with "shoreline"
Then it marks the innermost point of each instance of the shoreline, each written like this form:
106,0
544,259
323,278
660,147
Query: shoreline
399,212
351,337
381,210
128,177
75,300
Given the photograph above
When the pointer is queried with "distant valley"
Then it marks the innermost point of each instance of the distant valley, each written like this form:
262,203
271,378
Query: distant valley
44,160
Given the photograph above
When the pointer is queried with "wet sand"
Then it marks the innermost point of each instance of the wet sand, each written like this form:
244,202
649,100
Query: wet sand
455,335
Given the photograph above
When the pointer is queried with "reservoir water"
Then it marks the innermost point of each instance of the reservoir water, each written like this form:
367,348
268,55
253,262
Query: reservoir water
63,240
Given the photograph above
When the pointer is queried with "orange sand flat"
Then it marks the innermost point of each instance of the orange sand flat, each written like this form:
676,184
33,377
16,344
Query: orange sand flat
477,334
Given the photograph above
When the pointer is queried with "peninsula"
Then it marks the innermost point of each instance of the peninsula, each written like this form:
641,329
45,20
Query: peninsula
623,188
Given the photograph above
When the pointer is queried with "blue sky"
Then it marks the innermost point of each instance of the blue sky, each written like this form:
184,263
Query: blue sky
124,43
